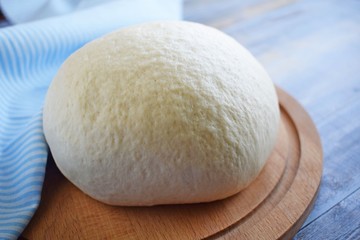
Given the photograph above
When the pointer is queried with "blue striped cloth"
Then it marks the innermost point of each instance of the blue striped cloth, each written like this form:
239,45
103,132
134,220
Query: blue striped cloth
30,55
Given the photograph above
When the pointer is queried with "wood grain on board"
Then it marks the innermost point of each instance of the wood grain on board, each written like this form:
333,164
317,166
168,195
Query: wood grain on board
274,206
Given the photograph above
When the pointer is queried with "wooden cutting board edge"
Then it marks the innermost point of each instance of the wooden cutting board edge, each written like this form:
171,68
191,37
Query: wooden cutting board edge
309,138
309,149
310,152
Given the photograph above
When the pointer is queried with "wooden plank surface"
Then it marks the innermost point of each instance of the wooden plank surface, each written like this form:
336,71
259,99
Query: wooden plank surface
312,50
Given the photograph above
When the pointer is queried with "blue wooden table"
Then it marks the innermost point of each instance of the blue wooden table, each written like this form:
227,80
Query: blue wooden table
312,50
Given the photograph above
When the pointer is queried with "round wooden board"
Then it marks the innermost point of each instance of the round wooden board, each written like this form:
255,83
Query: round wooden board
274,206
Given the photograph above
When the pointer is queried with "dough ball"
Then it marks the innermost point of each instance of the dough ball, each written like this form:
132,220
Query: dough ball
161,113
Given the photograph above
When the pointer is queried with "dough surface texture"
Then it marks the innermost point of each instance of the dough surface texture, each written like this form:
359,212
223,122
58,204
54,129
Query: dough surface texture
161,113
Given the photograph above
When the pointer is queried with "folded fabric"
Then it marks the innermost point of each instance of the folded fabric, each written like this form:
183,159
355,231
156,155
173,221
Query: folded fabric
30,55
19,11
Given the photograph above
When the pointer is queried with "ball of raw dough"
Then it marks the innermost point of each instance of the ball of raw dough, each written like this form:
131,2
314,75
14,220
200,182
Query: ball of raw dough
161,113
